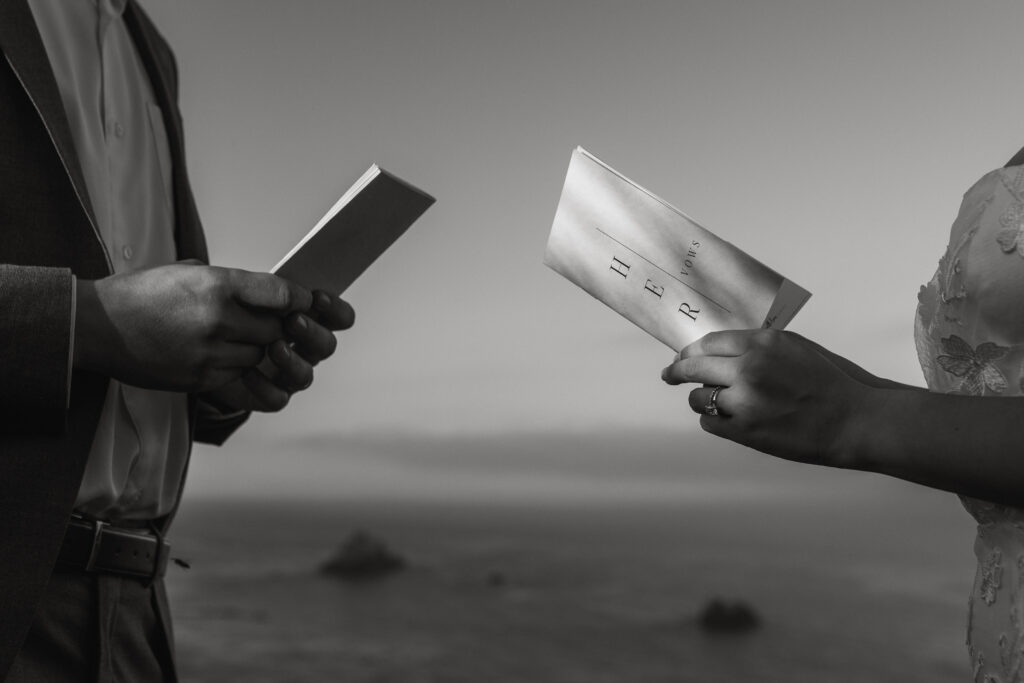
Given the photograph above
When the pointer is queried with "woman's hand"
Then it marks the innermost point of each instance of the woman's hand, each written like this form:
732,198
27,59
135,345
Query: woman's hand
786,396
780,393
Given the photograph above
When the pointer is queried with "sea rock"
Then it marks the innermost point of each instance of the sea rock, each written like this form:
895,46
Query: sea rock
719,616
363,556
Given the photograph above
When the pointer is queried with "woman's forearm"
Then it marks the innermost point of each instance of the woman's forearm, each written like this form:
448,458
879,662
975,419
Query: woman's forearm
784,395
965,444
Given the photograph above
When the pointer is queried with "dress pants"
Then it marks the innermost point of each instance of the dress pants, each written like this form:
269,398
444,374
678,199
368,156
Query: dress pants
96,628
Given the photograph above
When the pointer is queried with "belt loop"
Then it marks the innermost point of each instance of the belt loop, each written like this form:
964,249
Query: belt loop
95,550
155,574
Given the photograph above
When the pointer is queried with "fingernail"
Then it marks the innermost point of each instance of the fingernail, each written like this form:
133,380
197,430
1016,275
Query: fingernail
286,350
323,301
301,322
664,375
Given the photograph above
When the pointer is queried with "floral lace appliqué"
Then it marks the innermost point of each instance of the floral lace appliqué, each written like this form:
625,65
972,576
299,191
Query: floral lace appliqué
951,278
975,367
979,666
1010,643
1014,185
1011,237
991,576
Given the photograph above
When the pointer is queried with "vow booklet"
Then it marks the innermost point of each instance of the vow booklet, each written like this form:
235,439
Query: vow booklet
360,226
656,266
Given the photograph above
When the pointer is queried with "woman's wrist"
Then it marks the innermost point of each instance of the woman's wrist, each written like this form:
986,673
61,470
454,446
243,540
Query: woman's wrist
865,415
889,430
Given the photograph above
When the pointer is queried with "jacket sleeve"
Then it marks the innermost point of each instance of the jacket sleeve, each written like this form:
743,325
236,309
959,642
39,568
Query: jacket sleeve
36,328
213,424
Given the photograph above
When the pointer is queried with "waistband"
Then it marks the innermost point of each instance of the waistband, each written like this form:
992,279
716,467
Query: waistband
97,546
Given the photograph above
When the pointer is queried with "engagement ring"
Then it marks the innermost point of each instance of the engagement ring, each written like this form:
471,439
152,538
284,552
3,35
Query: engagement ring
711,407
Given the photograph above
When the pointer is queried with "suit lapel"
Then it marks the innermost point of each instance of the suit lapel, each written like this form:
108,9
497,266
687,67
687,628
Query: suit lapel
161,71
24,50
157,77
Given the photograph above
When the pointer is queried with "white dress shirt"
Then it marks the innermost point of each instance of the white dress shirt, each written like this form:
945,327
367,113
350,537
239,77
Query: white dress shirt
141,445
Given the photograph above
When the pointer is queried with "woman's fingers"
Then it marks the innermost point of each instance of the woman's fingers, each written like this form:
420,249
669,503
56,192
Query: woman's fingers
712,359
716,370
712,401
724,343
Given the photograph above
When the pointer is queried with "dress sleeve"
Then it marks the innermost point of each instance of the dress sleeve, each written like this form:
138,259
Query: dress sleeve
36,328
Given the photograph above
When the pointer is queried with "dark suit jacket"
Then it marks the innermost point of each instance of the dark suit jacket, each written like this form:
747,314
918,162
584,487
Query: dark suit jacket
48,233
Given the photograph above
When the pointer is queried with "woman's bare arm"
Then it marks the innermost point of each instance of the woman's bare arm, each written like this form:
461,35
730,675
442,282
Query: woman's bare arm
789,397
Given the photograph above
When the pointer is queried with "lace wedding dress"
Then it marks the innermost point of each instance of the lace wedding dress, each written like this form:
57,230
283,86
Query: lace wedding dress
970,340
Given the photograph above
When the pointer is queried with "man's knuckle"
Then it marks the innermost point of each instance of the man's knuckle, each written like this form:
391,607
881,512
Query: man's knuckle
209,320
217,281
221,292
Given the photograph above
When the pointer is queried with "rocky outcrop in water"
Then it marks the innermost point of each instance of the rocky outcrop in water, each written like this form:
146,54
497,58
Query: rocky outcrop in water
363,556
720,617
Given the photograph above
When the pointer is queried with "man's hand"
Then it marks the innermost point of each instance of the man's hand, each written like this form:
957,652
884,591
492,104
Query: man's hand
289,366
181,327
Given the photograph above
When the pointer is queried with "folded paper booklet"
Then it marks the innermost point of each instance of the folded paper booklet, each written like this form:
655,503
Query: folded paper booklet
656,266
360,226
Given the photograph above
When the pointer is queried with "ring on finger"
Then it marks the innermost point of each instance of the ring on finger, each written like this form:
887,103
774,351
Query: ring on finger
711,407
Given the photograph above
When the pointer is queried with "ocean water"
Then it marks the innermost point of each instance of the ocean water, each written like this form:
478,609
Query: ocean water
864,583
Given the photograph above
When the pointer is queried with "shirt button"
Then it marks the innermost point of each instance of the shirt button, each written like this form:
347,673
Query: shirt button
127,252
118,129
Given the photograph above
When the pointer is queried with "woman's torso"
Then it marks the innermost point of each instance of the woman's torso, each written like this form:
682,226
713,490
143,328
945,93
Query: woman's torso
969,332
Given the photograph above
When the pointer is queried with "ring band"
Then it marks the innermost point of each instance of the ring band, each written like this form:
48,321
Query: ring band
711,407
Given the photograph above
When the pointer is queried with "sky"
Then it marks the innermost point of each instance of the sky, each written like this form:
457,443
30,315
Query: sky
831,140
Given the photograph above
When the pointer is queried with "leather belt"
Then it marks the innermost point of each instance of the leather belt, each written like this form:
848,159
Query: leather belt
96,546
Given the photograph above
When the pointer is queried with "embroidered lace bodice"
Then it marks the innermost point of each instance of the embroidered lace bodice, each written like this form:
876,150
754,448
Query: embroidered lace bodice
969,333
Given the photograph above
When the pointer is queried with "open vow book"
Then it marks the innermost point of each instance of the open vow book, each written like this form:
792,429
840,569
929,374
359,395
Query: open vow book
360,226
654,265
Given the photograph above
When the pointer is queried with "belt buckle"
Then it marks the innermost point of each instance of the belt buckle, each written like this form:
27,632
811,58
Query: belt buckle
95,550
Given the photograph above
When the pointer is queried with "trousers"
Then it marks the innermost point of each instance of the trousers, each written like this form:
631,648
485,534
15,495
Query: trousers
97,628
